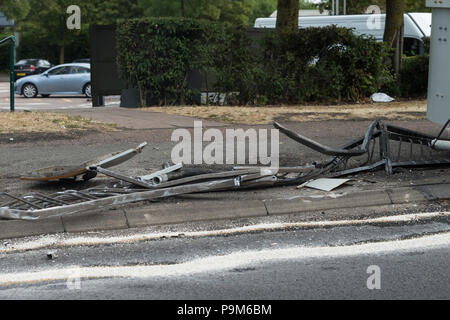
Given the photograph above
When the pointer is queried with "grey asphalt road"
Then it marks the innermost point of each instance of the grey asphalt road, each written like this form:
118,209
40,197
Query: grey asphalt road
331,263
53,102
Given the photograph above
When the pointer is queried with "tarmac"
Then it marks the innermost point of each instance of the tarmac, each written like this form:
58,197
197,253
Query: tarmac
359,204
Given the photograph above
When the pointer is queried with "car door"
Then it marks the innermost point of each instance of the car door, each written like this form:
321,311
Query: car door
77,78
54,80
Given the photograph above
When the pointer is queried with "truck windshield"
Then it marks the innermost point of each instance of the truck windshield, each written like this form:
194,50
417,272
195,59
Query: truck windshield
423,20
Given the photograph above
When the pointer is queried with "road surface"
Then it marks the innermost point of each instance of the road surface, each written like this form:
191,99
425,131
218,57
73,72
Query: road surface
394,259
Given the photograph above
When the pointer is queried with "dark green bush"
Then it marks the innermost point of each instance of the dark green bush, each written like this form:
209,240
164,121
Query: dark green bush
321,64
414,76
315,64
157,55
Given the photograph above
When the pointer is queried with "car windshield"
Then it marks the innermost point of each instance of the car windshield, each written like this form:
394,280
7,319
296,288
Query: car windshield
27,61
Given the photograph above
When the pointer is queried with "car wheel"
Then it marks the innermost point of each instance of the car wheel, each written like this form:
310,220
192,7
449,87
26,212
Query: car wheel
87,90
29,90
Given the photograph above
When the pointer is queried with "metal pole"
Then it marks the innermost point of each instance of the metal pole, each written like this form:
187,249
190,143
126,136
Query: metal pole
337,7
12,48
345,7
11,73
332,7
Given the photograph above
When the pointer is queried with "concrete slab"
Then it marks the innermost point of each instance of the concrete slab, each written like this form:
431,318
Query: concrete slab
406,195
16,229
181,213
436,192
109,220
360,199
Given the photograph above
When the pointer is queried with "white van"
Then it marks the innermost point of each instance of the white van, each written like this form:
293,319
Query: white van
417,26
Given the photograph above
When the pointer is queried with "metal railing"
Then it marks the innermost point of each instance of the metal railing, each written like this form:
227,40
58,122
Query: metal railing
12,43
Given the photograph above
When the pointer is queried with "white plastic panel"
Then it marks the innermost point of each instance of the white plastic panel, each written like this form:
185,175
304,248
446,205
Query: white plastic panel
439,76
438,3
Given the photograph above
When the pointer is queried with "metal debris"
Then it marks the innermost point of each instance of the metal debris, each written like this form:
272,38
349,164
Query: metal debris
72,171
98,199
382,145
324,184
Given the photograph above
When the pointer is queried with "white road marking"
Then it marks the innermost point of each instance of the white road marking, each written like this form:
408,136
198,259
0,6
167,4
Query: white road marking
32,103
56,241
226,262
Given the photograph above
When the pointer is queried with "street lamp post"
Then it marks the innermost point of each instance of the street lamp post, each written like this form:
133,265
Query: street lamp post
12,43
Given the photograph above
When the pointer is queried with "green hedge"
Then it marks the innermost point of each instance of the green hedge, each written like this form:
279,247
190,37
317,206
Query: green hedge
157,55
321,64
414,76
315,64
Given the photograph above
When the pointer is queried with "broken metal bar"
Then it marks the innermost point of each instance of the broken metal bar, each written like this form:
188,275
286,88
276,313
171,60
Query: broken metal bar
65,172
301,169
53,200
150,177
120,157
179,174
31,204
208,176
119,176
315,145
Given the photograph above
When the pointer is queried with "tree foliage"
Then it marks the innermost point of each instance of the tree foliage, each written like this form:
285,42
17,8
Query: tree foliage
416,6
15,9
241,12
45,25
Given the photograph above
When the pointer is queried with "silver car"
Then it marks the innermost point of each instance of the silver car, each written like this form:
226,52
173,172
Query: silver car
71,78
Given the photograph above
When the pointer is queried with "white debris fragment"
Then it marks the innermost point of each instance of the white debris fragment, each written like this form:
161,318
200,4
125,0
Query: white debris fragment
381,97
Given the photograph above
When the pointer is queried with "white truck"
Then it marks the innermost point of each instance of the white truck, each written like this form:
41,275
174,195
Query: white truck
417,26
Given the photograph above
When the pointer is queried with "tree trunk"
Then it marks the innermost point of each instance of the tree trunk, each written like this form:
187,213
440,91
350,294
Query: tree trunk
61,54
394,30
61,48
287,15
